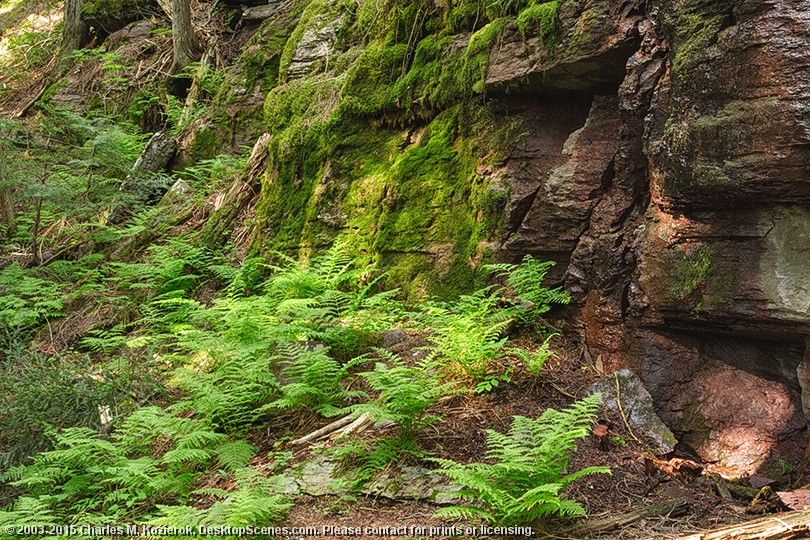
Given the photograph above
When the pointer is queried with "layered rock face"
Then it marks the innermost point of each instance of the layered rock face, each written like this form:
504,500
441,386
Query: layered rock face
658,151
694,267
712,305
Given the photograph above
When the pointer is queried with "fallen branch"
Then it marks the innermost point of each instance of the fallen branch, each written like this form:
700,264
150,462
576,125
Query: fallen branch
363,422
789,526
45,84
325,430
671,508
345,426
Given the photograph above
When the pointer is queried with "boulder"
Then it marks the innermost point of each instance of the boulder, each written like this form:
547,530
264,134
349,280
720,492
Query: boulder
624,395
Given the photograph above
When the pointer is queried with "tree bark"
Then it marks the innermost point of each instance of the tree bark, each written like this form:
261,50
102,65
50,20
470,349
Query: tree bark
185,46
75,32
136,189
7,215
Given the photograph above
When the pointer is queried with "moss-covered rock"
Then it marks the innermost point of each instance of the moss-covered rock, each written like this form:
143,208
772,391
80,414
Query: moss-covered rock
108,16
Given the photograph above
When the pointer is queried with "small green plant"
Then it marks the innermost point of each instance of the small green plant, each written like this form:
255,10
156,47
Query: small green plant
618,441
525,472
535,361
405,393
492,381
315,380
467,337
38,393
26,299
524,280
786,467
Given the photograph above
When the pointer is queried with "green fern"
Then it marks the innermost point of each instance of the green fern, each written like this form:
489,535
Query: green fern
525,281
536,360
405,393
525,473
316,380
257,501
233,396
363,460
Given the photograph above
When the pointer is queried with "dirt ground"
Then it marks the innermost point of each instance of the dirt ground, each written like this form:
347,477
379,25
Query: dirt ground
638,478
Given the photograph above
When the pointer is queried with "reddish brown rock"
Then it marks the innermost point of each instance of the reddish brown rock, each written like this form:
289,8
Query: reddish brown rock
680,210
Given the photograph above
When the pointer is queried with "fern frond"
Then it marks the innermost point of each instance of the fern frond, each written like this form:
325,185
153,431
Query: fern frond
179,455
526,475
235,454
470,513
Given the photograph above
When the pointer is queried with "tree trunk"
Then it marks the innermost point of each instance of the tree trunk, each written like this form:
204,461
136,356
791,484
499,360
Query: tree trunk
185,46
7,216
75,32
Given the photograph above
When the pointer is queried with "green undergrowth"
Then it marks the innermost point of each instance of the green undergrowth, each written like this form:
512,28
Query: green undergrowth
146,370
526,470
274,340
383,137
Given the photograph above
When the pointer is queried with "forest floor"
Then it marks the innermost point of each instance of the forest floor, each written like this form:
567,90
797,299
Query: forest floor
638,478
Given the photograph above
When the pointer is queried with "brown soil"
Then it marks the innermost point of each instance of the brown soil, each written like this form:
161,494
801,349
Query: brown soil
636,481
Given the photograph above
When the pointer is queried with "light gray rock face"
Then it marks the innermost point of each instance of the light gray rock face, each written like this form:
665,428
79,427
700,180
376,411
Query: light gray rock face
319,476
317,42
637,407
786,266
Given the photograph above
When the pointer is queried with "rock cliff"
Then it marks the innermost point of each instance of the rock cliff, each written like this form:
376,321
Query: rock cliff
657,150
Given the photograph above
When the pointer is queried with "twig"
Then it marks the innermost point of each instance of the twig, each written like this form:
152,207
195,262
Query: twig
621,410
329,428
560,390
669,509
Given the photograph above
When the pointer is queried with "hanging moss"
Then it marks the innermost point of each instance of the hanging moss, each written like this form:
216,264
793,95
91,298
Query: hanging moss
693,26
543,19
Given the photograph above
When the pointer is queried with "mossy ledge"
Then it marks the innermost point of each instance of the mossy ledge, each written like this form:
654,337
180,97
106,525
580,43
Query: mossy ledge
380,136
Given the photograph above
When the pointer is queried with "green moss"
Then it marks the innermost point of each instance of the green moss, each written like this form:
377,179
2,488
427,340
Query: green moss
261,65
543,19
204,145
393,191
691,271
693,27
340,164
695,279
49,92
370,78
